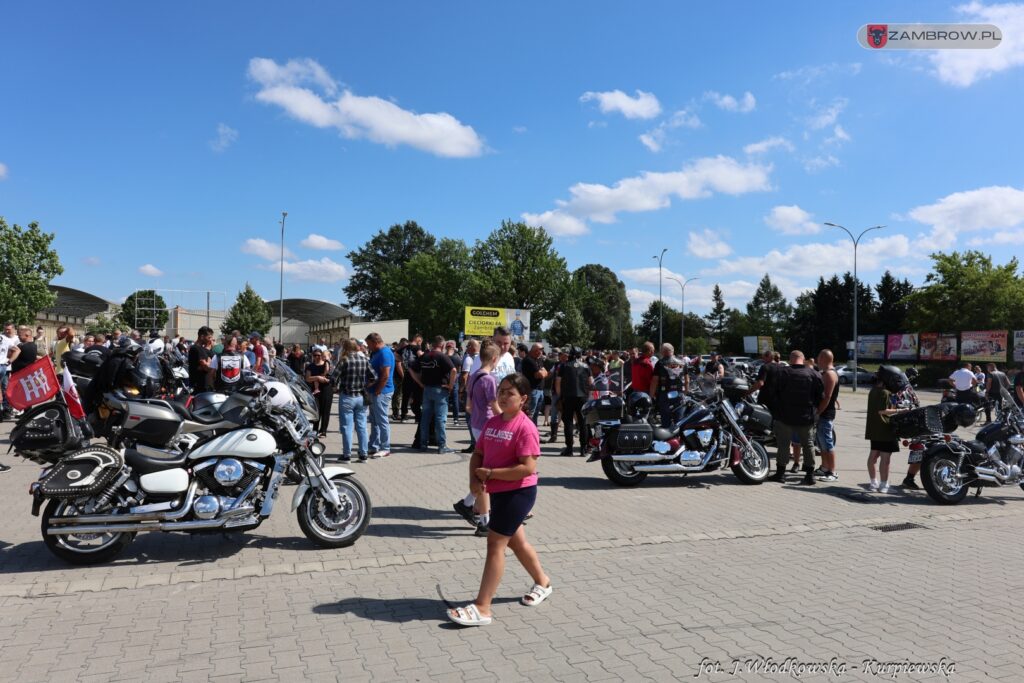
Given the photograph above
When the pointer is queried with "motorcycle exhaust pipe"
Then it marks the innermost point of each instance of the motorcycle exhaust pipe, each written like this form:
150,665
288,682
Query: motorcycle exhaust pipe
642,457
133,517
990,474
194,525
664,469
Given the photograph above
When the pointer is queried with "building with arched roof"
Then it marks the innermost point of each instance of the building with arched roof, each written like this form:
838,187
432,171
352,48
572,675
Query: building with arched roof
306,320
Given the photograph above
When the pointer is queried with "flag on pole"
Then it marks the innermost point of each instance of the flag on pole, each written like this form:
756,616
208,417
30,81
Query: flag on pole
33,384
71,396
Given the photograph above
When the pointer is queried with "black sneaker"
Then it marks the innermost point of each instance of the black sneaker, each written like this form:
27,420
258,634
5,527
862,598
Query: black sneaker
362,458
481,530
779,476
808,480
820,473
553,438
566,453
794,467
829,476
5,468
468,449
465,511
910,484
344,459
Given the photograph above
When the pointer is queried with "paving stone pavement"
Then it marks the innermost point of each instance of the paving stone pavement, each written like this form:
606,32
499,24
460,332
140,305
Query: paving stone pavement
649,582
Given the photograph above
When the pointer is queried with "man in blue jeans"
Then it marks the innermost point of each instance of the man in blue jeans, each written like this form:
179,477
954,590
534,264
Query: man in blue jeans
434,372
382,360
533,368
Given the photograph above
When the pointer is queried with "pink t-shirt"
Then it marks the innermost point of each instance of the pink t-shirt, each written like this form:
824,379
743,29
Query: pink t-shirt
503,443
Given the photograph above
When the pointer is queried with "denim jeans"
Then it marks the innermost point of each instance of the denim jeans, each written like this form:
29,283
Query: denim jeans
380,427
456,403
3,387
435,407
536,404
351,408
554,412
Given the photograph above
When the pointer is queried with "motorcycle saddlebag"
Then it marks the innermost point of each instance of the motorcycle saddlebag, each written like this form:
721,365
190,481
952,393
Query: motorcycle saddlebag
83,473
45,433
630,438
758,417
602,409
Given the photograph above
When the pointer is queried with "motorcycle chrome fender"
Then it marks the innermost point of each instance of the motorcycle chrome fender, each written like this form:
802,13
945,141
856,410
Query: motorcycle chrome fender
330,472
240,443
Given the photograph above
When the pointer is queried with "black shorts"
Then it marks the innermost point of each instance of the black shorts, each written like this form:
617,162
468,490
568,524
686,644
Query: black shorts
509,509
886,446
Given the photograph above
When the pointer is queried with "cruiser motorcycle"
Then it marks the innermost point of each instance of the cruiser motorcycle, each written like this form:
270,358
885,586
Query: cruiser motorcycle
707,438
219,474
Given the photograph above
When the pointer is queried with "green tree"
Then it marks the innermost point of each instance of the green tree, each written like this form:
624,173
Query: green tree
769,312
102,324
381,260
718,317
602,302
738,325
967,292
249,313
27,265
434,288
143,310
891,315
570,327
519,268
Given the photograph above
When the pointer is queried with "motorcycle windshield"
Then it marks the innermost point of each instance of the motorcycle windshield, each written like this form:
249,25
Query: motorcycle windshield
147,364
285,374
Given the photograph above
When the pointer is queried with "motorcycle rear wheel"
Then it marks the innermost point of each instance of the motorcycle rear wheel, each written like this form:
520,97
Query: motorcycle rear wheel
937,475
82,549
335,528
621,474
753,473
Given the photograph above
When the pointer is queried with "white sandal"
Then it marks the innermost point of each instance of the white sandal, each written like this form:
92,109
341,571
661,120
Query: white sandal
537,595
468,616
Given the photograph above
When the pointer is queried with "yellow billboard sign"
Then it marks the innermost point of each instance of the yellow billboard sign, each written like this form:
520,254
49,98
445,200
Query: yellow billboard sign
481,321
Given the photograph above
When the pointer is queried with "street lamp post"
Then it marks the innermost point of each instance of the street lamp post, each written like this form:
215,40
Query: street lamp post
682,310
856,243
280,293
661,304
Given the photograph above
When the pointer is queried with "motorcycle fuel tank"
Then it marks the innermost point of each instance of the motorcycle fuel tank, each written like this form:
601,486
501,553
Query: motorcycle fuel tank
240,443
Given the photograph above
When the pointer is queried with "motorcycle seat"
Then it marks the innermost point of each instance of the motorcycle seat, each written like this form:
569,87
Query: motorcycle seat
664,434
187,414
976,446
144,464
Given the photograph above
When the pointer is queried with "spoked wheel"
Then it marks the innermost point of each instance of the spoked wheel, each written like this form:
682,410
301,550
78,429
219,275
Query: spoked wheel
753,466
331,528
621,473
80,548
942,480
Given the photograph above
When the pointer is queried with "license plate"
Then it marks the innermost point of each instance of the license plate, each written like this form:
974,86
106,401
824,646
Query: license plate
915,456
672,395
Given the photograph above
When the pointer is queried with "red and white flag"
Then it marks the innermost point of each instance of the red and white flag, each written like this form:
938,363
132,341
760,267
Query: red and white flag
36,383
71,396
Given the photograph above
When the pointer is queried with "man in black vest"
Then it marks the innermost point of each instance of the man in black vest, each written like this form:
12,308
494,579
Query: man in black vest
798,393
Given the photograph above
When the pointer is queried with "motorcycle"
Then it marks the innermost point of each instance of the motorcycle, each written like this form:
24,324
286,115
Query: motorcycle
950,465
95,500
706,438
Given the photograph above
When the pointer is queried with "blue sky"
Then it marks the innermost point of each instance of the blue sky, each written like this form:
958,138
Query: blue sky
161,143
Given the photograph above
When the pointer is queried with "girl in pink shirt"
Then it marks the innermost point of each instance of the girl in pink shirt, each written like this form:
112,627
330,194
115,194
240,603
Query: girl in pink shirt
504,465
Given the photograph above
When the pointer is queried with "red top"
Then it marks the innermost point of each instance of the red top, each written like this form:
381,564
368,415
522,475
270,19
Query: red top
643,371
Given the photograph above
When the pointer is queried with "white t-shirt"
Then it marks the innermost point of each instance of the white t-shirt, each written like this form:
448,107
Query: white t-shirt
471,363
505,367
6,343
963,379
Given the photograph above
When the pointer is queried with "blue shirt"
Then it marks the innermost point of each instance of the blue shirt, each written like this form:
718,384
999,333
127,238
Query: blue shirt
384,358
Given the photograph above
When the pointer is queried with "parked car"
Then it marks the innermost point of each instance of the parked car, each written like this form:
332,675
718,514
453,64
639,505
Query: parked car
864,377
733,360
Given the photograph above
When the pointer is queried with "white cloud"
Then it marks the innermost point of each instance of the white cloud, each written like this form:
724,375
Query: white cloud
312,270
791,220
644,106
820,163
92,261
150,270
266,250
639,300
557,223
839,136
356,116
648,275
519,129
768,144
806,75
3,171
745,104
994,208
654,139
654,190
315,241
813,260
963,68
1003,237
226,135
828,116
707,244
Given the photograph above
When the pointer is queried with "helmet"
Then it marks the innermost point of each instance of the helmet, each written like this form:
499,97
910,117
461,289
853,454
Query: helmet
892,378
964,414
283,397
639,405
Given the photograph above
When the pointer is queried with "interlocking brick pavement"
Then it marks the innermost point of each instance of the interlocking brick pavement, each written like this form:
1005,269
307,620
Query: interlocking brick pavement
649,581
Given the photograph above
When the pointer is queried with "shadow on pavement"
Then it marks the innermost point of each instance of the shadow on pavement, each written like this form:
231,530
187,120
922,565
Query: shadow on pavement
416,531
399,611
895,496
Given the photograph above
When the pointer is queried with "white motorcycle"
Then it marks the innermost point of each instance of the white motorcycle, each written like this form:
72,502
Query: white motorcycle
224,473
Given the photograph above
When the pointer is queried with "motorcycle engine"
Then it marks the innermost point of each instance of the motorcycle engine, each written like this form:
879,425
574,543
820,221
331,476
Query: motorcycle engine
226,476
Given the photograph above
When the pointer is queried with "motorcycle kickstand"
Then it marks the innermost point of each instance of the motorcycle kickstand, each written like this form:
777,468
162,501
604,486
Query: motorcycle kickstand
977,492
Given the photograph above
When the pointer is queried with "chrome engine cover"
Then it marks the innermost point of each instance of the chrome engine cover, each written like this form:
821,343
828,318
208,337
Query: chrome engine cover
228,472
206,507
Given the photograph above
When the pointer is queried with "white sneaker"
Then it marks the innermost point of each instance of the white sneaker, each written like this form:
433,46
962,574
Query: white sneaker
382,454
884,488
873,486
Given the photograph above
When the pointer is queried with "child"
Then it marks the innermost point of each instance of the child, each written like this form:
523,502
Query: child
505,465
881,435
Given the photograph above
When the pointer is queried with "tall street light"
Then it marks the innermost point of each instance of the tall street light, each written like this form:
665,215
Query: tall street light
682,310
856,283
280,294
661,305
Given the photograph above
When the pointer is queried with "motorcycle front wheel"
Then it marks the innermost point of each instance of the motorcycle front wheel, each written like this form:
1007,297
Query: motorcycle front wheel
753,466
330,528
621,473
941,479
80,549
